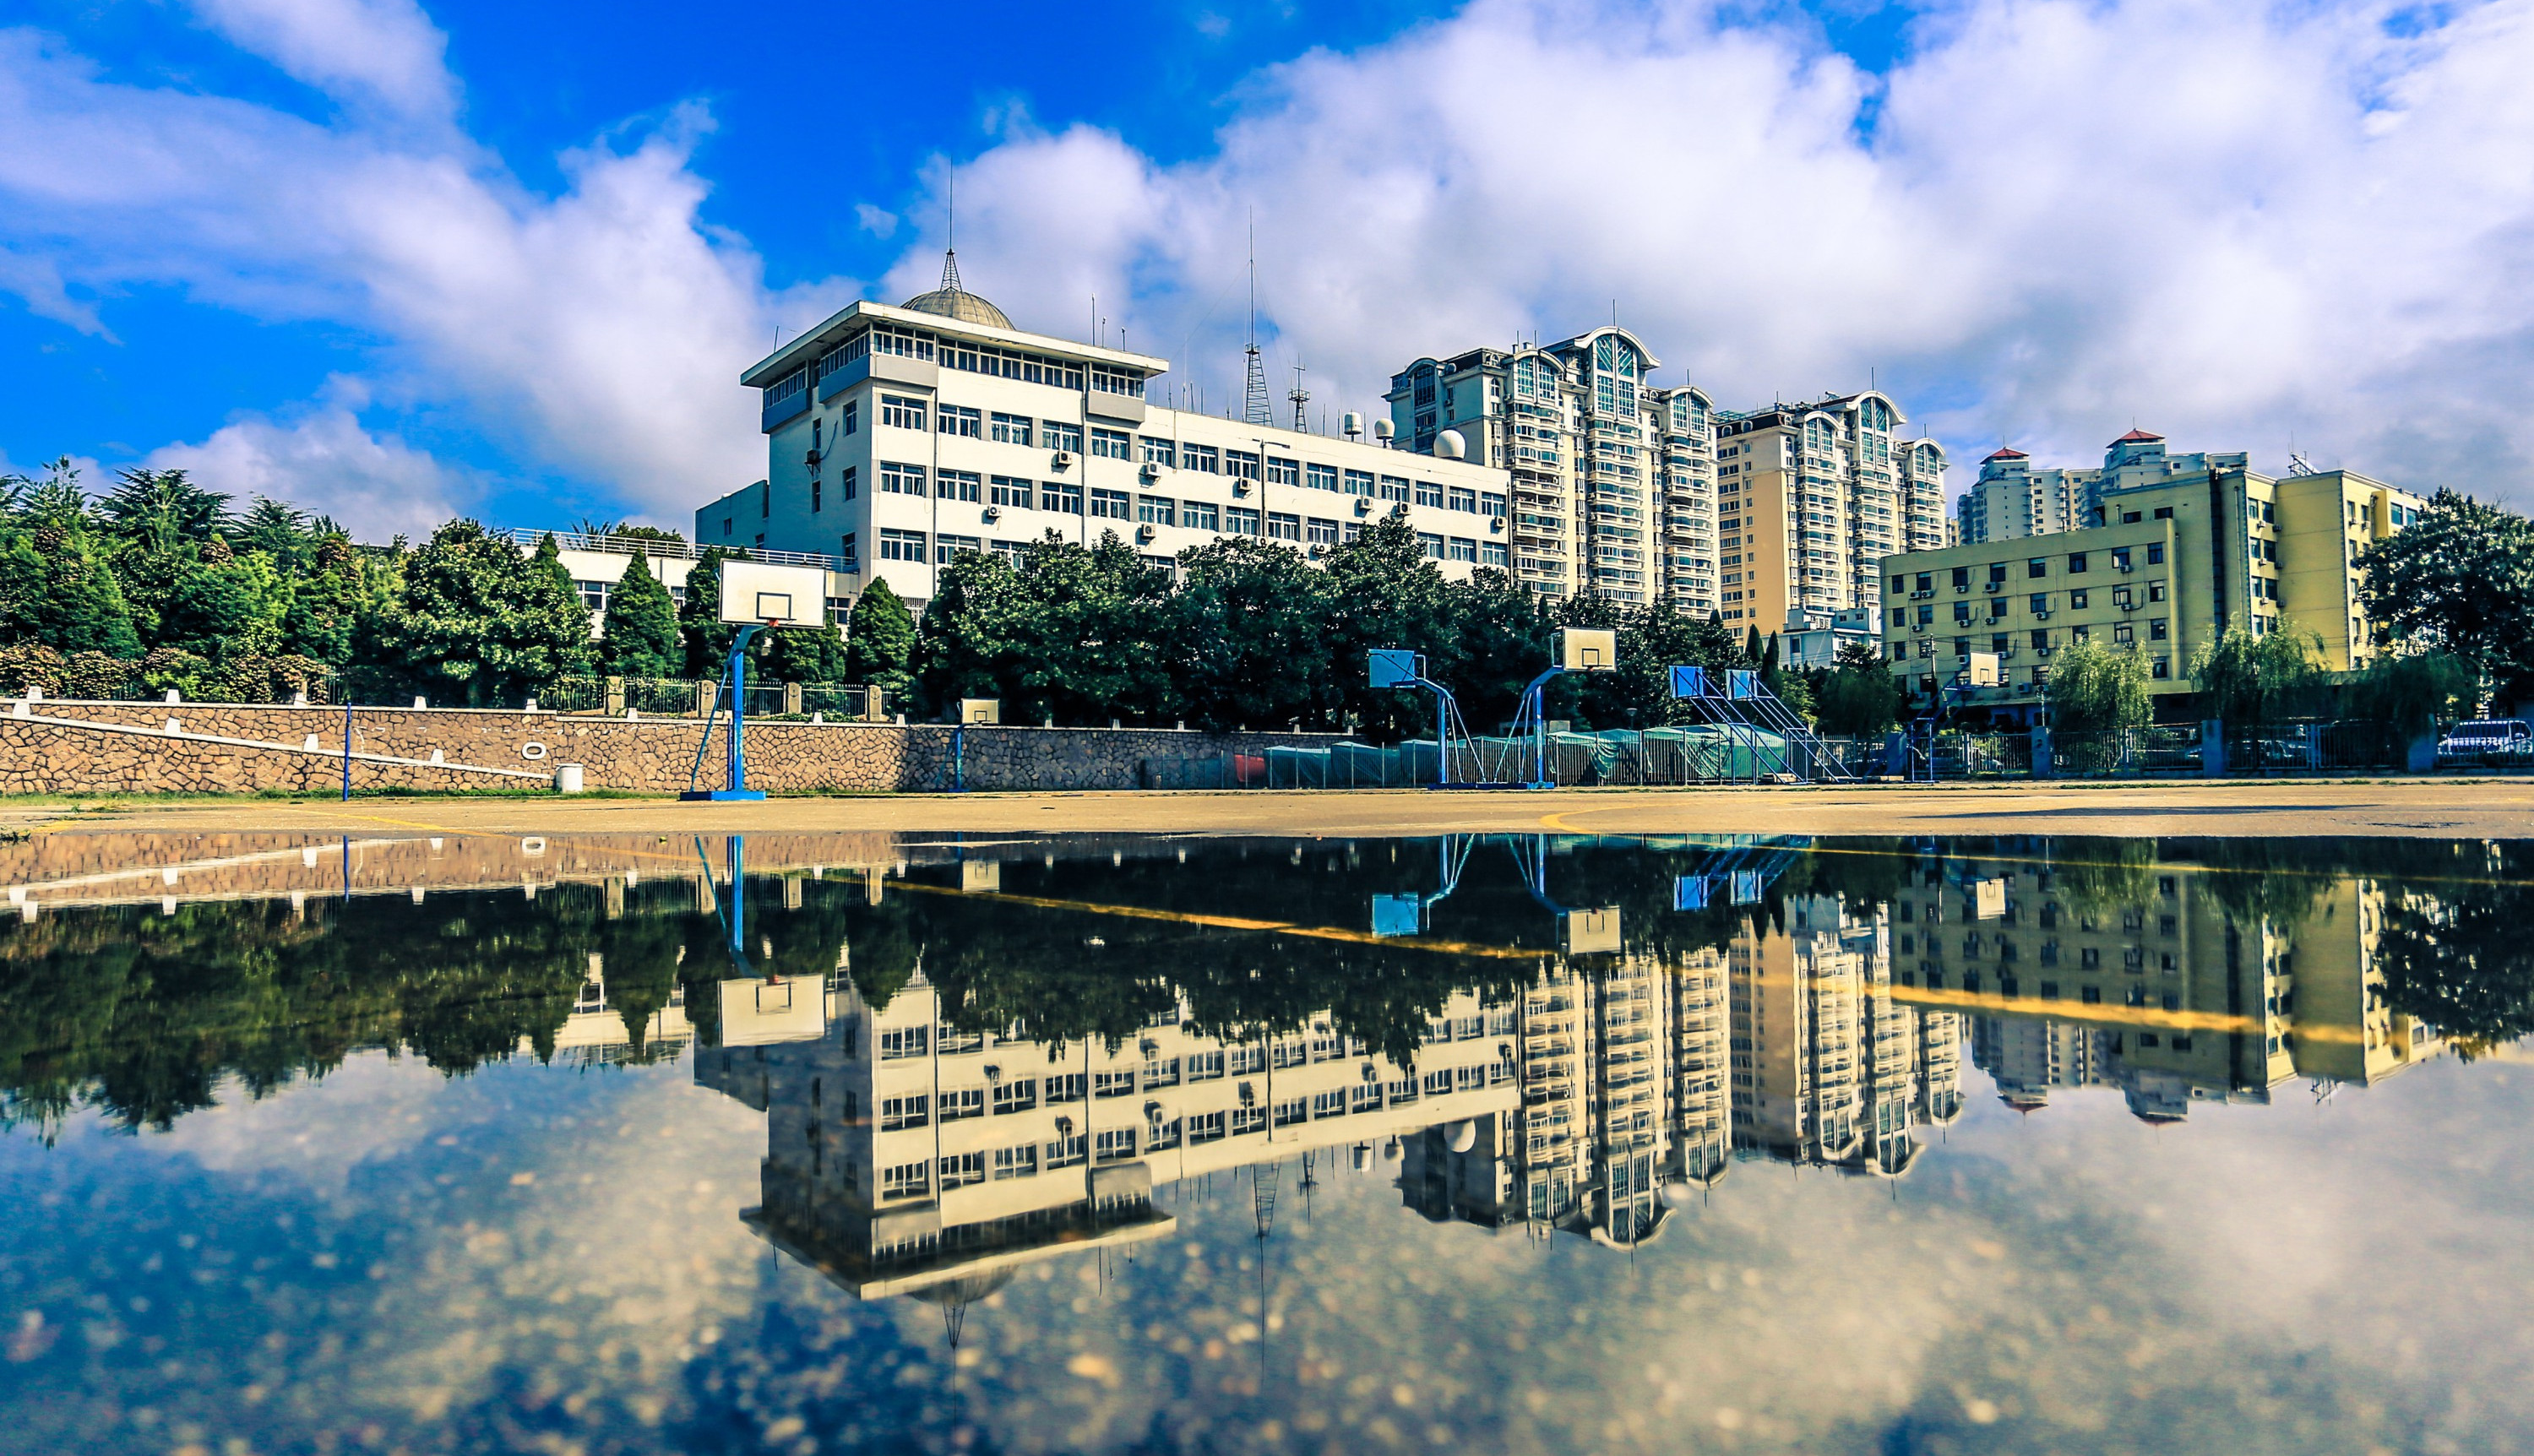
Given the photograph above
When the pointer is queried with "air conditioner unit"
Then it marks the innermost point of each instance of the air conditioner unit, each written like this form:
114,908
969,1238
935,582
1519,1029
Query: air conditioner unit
994,514
2041,616
1363,506
2127,566
1319,551
1497,524
1063,461
1997,587
1150,471
810,459
1143,534
1240,487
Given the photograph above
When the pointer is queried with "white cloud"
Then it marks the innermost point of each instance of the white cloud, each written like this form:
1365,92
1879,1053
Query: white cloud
599,331
322,461
2239,225
380,52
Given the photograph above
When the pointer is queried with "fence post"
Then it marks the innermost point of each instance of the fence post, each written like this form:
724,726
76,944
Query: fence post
2421,756
2213,747
2042,764
2313,746
791,700
706,692
615,707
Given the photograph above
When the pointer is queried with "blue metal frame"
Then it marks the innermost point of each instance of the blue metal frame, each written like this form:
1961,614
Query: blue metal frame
734,682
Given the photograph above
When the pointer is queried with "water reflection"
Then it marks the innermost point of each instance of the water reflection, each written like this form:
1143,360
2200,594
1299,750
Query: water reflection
982,1063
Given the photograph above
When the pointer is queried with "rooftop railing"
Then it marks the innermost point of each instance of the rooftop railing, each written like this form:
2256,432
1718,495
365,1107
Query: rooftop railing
651,546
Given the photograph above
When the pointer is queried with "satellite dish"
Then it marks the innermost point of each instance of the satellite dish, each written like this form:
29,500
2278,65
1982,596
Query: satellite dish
1451,446
1383,429
1464,1136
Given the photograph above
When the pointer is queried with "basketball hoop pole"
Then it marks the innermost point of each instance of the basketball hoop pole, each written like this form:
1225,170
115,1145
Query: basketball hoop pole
734,677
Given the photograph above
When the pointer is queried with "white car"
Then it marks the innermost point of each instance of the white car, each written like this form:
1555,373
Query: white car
2485,737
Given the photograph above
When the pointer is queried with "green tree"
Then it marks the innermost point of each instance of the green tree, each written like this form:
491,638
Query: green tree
639,638
974,640
807,654
1247,632
280,532
880,641
1498,643
162,510
57,588
2460,577
224,606
327,599
1858,696
2094,690
2253,680
2409,692
1389,594
476,623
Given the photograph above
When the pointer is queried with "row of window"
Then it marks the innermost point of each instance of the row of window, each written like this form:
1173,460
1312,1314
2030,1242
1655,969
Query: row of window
2123,558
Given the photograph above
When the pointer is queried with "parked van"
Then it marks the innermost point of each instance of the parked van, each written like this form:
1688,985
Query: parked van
2488,738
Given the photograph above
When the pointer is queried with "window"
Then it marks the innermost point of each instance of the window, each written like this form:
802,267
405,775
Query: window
1240,464
1112,1145
1429,494
2042,639
1016,1095
898,1113
1019,1162
1320,531
2162,667
1069,1152
1012,428
2163,513
946,548
901,480
2037,566
1059,495
1490,504
2120,634
2129,517
900,1044
1997,571
902,413
1284,473
1203,458
906,1181
1492,554
2040,601
2155,591
1282,526
2158,629
1431,544
1204,1127
1198,515
1157,510
850,485
1010,490
1961,578
2155,554
814,495
1057,435
1359,483
1328,1104
1159,452
959,1170
1395,488
959,485
1461,548
1111,505
956,420
850,553
963,1102
2076,600
1320,477
1287,1114
2076,563
1239,520
1463,498
1112,445
852,423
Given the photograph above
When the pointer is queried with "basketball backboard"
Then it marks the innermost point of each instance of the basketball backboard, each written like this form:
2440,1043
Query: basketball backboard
772,595
1393,666
1983,670
1586,650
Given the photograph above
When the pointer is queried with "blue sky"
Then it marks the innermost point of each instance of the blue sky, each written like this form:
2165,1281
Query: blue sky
397,260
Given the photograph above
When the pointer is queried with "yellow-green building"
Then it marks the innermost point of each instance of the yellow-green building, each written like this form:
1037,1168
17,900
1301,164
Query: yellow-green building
2171,564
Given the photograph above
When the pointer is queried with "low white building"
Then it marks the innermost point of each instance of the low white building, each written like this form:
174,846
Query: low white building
1813,637
899,437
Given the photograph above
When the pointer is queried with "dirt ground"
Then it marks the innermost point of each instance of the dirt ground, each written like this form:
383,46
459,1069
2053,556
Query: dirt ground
2431,808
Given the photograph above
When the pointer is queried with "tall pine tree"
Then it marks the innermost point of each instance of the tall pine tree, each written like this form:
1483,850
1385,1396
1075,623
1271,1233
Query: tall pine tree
639,639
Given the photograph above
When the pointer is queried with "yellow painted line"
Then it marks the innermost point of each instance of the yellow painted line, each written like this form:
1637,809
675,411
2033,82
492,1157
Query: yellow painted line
2142,1016
1236,922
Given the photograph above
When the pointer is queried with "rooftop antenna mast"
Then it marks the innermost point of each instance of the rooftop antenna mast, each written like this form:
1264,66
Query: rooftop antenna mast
950,254
1254,409
1301,397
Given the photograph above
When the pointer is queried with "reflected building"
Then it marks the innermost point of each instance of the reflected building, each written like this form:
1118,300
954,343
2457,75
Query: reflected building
2170,983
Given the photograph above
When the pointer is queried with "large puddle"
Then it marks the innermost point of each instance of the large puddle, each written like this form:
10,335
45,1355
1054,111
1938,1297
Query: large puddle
1505,1143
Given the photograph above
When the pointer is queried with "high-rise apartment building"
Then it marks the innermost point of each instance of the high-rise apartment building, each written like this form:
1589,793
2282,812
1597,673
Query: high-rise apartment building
2011,499
1810,498
1613,480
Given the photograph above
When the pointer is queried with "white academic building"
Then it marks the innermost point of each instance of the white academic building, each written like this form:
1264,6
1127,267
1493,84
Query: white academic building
899,437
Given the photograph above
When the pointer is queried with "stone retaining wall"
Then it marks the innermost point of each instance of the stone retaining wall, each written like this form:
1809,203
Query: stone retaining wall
48,752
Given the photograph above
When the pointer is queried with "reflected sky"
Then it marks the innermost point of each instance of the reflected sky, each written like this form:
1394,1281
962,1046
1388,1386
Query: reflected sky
904,1143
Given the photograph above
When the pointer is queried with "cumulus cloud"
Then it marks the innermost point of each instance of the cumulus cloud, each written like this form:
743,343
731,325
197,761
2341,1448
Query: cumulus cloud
598,332
2244,227
322,461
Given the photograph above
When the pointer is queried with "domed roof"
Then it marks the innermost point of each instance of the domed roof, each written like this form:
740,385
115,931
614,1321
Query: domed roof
952,301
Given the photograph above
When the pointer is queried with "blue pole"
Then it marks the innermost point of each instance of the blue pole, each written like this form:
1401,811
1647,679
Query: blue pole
738,853
1442,740
347,749
959,758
